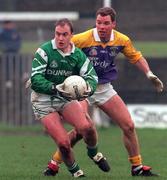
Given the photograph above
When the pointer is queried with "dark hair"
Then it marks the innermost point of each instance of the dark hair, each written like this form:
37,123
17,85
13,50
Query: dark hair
105,11
64,21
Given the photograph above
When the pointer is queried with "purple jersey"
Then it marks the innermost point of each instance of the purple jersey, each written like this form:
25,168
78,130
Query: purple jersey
102,55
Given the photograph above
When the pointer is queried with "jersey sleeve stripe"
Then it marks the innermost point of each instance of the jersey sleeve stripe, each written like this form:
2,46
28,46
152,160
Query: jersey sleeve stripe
93,77
37,61
43,54
37,72
39,67
84,67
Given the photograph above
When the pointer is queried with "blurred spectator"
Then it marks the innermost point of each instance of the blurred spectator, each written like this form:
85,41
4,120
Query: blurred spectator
10,44
10,40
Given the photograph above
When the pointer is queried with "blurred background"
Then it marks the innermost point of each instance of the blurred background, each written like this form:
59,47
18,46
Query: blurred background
32,23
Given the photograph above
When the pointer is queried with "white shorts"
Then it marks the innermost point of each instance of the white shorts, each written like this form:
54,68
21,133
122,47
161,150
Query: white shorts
43,105
102,94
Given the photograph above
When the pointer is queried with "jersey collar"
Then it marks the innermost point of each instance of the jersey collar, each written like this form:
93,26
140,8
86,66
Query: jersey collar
96,36
64,54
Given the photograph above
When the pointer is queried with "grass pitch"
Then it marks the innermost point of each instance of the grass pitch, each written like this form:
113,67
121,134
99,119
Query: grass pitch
24,153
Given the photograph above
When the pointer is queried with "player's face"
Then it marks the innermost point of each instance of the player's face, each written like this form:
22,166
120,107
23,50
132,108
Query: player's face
104,26
63,37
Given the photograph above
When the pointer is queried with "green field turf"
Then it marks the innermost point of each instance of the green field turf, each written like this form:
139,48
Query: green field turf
151,49
24,153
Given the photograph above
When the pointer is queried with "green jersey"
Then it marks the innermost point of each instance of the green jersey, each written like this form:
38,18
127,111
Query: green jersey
51,66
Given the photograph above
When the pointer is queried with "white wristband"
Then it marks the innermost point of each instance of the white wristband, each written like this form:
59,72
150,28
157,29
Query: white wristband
149,73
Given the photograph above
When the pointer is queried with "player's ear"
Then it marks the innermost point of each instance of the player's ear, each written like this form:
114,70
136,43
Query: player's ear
114,24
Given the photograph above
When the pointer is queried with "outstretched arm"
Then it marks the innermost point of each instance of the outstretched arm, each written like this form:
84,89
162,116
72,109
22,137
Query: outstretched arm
143,66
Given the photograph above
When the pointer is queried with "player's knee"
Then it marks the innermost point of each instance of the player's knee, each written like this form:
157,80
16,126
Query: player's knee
87,128
129,128
89,132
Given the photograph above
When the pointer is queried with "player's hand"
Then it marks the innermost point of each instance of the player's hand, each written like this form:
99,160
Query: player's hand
156,81
87,93
61,93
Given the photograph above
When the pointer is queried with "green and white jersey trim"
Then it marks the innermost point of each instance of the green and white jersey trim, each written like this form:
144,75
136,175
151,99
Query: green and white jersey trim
83,70
43,54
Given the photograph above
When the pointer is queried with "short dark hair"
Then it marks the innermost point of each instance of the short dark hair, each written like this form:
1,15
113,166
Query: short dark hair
64,21
105,11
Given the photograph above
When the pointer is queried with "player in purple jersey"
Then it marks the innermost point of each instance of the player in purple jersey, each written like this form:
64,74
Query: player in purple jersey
101,45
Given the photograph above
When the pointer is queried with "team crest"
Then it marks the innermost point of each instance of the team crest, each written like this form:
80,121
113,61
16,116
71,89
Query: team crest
53,64
113,51
93,52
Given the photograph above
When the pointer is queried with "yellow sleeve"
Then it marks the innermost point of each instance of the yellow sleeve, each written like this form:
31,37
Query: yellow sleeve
83,39
131,53
75,40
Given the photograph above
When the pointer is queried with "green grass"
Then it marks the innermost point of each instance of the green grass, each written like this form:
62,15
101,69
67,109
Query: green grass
24,154
149,49
29,47
152,49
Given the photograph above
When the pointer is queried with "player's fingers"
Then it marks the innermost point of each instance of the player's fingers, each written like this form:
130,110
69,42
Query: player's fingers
158,84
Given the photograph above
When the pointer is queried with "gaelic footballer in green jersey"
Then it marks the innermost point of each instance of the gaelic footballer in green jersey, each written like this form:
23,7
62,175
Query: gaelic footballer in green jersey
54,61
51,66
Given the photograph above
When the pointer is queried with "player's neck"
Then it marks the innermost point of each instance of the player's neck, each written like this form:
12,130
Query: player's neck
105,40
68,49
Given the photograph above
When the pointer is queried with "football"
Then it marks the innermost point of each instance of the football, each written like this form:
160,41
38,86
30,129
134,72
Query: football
75,85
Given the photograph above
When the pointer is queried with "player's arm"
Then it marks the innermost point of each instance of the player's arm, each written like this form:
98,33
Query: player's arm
135,57
143,66
38,81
